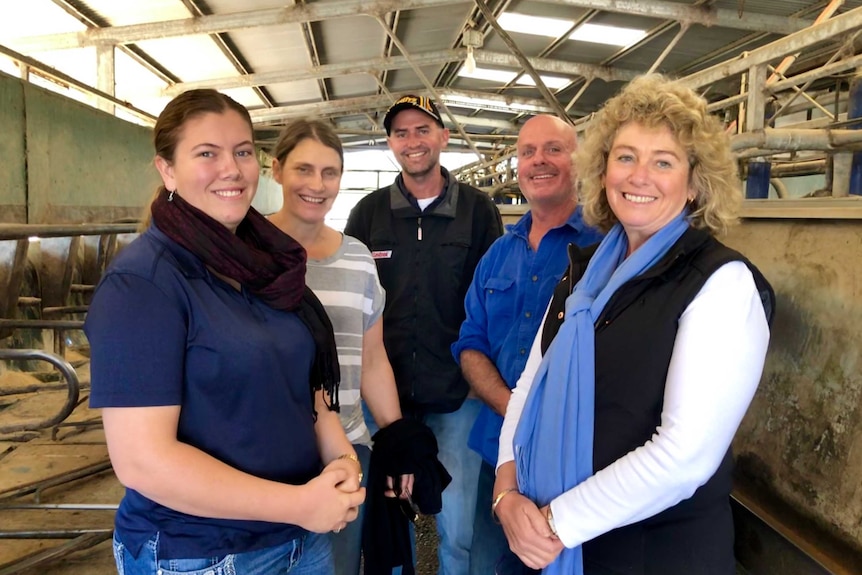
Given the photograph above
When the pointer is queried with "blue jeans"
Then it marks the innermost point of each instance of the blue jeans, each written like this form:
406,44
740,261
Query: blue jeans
455,521
347,545
307,555
490,554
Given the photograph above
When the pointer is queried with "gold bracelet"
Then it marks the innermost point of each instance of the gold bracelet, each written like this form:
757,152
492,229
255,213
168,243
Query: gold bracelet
352,457
497,500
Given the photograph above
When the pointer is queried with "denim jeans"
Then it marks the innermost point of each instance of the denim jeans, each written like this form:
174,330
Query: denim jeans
490,554
307,555
455,521
347,545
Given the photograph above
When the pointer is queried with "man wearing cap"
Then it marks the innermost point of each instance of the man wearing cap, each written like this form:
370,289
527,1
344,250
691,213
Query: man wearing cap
505,305
427,232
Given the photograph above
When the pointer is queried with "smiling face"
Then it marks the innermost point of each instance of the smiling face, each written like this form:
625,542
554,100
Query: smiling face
214,167
545,145
310,176
646,180
417,140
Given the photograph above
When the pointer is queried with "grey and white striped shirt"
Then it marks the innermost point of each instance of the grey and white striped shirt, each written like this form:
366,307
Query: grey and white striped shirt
347,285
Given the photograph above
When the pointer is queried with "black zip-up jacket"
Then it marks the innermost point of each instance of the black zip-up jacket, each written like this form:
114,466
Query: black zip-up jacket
635,335
426,261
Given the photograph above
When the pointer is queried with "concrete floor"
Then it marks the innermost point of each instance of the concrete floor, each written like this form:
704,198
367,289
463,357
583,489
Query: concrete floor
29,457
98,560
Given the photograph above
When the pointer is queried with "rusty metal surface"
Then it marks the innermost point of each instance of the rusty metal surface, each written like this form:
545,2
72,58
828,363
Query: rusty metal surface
801,440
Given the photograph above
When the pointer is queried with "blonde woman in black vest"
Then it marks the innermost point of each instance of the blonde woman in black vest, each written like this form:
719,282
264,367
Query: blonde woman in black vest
615,452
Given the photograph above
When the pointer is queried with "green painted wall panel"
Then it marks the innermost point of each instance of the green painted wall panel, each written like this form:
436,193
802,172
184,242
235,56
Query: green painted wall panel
13,171
83,165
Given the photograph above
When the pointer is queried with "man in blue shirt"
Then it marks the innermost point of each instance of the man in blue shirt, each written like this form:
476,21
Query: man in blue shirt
505,305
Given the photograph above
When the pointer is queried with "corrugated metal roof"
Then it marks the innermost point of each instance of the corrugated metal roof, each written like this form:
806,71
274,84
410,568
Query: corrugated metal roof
333,58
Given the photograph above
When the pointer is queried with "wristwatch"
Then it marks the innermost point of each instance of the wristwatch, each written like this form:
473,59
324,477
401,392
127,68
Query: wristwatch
550,517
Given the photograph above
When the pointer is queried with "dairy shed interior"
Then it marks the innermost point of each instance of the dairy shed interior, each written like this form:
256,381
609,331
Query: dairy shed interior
81,83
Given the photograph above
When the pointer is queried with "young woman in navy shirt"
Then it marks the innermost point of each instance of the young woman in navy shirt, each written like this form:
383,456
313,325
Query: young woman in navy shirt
213,366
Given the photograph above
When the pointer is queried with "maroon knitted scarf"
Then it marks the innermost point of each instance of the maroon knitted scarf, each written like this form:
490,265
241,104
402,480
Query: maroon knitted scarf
268,262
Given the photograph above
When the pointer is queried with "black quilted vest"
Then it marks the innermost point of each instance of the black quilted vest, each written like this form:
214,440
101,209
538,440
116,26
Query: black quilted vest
634,340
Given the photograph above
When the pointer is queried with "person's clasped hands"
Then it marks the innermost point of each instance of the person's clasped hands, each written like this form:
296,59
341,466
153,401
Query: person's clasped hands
527,529
338,492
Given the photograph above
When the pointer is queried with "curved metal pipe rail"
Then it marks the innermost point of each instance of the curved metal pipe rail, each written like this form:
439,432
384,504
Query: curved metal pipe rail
68,373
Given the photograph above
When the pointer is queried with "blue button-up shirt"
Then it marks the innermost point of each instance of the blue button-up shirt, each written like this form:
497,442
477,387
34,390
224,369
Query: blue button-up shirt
507,299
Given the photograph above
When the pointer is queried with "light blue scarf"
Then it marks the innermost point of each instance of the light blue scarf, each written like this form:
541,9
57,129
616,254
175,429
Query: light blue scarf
554,439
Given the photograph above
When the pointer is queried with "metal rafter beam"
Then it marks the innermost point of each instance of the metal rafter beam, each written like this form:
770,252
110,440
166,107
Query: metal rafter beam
698,14
474,20
360,127
523,61
199,8
735,47
382,76
556,43
823,32
35,65
80,13
375,65
218,23
425,81
590,71
313,55
800,139
354,106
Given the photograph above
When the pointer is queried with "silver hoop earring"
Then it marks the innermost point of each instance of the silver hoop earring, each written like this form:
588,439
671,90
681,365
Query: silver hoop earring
171,195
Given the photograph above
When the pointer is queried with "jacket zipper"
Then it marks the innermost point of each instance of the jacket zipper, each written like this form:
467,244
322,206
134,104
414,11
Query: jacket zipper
415,304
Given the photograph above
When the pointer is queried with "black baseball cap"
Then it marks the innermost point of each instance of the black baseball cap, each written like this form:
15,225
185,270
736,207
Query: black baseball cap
411,102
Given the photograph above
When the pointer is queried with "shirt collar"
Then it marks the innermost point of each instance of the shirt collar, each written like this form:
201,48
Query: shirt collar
189,264
399,182
521,228
405,205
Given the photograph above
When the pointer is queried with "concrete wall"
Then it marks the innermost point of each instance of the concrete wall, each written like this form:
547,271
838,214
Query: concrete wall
802,437
65,162
13,168
801,440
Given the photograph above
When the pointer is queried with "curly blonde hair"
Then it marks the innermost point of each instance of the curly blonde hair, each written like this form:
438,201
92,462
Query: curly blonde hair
653,101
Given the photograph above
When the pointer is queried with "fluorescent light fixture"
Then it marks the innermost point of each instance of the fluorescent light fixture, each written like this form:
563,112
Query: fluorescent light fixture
500,105
506,76
553,82
613,35
498,76
556,27
535,25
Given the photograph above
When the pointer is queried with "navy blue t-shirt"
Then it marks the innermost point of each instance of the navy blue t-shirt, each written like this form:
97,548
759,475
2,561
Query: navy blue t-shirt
164,331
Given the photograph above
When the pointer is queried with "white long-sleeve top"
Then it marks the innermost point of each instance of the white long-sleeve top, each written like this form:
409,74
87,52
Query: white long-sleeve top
714,370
